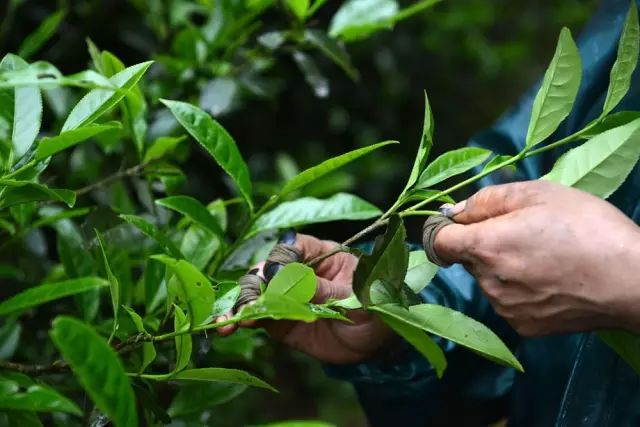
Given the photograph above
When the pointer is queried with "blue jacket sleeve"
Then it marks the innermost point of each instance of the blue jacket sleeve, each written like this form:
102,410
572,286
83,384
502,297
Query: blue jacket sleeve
404,390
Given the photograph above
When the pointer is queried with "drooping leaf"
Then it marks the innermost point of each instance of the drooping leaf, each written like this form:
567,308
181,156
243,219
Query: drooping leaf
194,210
18,192
217,141
625,64
47,292
420,271
309,210
192,287
454,326
33,397
99,101
332,49
97,368
114,284
556,96
452,163
234,376
309,175
626,344
154,232
49,146
426,142
420,340
295,280
148,350
600,165
183,342
34,41
388,261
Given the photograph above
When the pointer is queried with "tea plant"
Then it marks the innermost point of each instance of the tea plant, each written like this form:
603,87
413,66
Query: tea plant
170,265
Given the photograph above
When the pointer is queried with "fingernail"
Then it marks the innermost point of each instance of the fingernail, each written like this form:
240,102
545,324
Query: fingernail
270,270
288,237
446,209
458,208
254,271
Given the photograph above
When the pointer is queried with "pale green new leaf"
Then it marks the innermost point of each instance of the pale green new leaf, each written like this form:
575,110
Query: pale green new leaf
217,141
49,146
194,210
420,340
357,19
154,232
114,285
295,280
452,163
600,165
420,271
309,175
148,350
556,96
309,210
426,142
454,326
192,287
497,160
183,342
18,192
99,101
34,41
98,369
161,147
47,292
625,64
234,376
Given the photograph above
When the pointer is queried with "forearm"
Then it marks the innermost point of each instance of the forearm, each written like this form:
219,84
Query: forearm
627,272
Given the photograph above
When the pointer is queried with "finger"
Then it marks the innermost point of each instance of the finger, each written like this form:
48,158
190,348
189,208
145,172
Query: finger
493,201
226,330
454,243
329,289
312,247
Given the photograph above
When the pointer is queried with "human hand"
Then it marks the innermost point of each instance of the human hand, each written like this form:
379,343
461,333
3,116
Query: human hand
328,340
551,259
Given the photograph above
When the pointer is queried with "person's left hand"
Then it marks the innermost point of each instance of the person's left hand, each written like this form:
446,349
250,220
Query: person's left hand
551,259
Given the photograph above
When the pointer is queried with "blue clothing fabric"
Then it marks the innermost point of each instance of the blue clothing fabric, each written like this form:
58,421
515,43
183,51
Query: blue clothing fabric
569,380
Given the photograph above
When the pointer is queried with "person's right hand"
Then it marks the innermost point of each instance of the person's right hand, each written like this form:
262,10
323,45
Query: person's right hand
327,340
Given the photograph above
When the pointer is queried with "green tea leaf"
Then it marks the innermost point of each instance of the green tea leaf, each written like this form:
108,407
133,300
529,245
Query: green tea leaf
98,368
277,307
161,147
34,41
298,7
217,141
420,271
183,342
600,165
622,69
23,419
194,210
357,19
148,350
626,344
332,49
611,121
418,339
426,142
35,397
114,284
454,326
18,192
419,195
200,396
309,210
295,280
47,292
388,261
99,101
229,293
496,160
192,287
234,376
309,175
452,163
153,232
49,146
556,96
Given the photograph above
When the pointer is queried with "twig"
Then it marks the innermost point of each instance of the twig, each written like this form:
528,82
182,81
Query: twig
132,171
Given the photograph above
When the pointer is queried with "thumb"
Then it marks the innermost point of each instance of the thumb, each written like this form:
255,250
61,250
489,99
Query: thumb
491,202
446,242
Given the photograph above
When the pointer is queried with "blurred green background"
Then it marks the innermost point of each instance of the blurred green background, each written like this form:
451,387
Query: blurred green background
474,58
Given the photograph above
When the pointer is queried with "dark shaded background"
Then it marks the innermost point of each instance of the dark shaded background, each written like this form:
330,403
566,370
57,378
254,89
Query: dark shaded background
474,57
